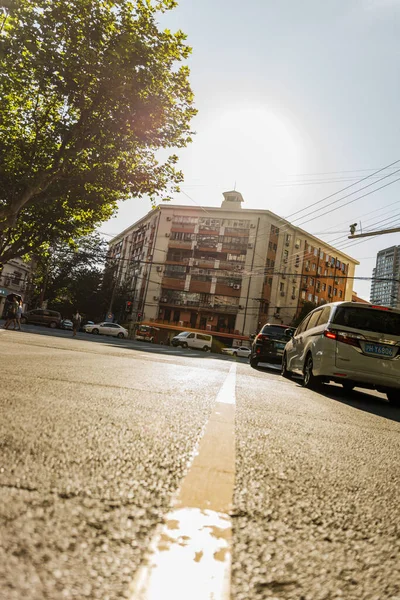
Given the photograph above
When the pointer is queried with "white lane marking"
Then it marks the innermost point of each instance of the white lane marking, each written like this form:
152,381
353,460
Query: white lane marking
227,393
189,557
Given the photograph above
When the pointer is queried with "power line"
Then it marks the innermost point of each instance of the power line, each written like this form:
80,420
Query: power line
344,189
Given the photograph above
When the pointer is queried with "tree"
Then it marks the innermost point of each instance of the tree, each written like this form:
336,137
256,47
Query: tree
71,276
306,308
90,92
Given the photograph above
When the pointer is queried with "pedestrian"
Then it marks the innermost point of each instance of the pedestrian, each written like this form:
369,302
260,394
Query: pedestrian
76,323
18,316
11,313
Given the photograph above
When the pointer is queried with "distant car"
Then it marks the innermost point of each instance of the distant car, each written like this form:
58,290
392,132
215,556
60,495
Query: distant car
241,351
82,328
41,316
191,339
357,345
269,345
67,324
107,329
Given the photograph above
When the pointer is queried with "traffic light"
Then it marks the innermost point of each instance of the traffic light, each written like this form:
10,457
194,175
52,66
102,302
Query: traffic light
139,316
128,306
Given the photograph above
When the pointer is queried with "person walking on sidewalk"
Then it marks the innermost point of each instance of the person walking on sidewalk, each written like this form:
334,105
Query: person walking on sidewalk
76,323
18,316
11,314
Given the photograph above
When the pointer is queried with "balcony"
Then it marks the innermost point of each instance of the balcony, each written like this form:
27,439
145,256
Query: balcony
180,244
173,284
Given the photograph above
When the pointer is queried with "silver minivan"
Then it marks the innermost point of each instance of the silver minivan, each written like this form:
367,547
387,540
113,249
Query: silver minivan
191,339
357,345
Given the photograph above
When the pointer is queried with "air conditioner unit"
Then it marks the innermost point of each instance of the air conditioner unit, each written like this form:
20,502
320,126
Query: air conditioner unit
297,246
287,243
167,235
276,315
293,296
240,307
250,246
210,318
156,298
285,260
282,293
196,263
236,286
159,269
327,263
164,299
169,218
252,226
307,268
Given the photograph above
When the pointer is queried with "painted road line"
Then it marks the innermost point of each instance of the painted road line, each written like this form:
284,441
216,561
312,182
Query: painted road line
189,557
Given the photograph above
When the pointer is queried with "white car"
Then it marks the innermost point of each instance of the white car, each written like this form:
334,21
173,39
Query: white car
357,345
241,351
107,329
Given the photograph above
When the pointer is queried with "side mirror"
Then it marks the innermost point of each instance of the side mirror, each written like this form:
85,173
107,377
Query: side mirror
289,332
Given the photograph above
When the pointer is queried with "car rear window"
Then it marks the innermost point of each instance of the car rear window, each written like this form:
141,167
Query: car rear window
276,332
368,319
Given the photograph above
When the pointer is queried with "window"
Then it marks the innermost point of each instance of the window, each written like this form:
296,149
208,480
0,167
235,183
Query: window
303,295
298,242
318,286
340,294
303,325
321,255
313,322
324,315
324,287
311,281
335,291
16,277
314,267
275,247
281,287
191,336
293,291
319,270
330,290
270,245
310,296
285,255
368,319
269,280
201,336
315,299
315,251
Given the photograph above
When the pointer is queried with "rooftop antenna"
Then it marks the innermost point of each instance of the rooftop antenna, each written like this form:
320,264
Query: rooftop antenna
234,187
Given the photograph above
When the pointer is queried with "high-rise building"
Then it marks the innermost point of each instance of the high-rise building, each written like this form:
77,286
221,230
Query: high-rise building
225,270
386,293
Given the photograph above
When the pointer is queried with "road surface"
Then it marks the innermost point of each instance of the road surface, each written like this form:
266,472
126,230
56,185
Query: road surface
98,436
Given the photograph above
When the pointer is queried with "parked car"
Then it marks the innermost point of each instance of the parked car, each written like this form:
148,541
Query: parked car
357,345
84,323
241,351
66,324
190,339
107,329
41,316
268,346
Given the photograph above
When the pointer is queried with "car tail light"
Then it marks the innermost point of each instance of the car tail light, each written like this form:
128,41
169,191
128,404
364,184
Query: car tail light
380,307
346,337
261,337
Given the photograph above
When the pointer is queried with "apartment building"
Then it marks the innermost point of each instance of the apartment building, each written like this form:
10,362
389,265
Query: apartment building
386,293
226,270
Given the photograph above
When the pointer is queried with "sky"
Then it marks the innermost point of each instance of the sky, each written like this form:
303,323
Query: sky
296,101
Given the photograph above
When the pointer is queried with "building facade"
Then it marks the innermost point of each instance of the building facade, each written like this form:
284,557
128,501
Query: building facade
227,269
15,277
387,293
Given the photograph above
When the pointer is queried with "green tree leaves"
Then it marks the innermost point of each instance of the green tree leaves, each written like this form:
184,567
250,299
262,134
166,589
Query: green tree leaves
90,91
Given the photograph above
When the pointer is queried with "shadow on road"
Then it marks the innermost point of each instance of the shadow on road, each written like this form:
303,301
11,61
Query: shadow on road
364,401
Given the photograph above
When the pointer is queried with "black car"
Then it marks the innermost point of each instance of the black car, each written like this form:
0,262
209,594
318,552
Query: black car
269,344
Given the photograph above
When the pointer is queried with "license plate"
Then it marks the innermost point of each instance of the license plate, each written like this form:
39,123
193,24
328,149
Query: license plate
279,346
378,349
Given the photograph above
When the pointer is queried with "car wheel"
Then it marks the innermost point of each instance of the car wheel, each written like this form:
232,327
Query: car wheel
95,331
394,397
184,345
348,386
253,363
285,373
234,353
309,379
205,348
53,325
121,335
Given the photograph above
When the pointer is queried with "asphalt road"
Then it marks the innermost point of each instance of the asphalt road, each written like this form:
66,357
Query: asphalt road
96,435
